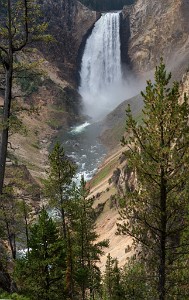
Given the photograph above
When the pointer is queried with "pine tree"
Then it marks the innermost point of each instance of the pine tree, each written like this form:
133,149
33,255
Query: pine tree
135,282
15,207
58,187
18,27
112,283
58,184
87,251
10,219
40,274
156,213
14,296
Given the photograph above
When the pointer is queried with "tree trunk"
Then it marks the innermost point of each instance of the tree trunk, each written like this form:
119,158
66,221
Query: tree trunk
63,220
162,266
82,259
70,265
26,226
62,209
6,115
8,64
10,236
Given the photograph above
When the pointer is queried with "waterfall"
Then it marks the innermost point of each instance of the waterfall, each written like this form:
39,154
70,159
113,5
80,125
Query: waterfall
101,76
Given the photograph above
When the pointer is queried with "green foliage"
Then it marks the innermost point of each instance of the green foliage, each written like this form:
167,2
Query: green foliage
16,125
40,273
29,81
14,296
10,219
22,30
86,250
112,284
54,123
15,210
58,184
20,24
60,174
104,172
58,264
159,156
78,226
135,281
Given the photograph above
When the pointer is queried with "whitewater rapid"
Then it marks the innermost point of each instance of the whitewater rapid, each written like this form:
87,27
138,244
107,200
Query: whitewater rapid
83,147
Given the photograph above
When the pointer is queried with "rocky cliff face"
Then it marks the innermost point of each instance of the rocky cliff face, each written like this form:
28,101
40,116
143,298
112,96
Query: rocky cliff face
69,23
184,86
54,94
150,30
157,28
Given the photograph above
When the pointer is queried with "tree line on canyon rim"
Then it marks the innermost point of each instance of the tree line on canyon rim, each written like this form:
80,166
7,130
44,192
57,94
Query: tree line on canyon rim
62,254
106,5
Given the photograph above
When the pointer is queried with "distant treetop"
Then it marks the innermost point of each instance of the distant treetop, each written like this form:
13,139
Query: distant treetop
106,5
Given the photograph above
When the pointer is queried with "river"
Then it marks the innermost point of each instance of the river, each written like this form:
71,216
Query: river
82,145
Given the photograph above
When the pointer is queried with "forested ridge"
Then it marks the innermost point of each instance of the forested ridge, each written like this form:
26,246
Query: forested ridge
105,5
49,247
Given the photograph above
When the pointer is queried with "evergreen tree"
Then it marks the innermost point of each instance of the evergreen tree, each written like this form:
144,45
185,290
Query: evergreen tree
87,251
156,212
14,296
40,274
135,282
18,27
58,184
10,219
15,207
112,284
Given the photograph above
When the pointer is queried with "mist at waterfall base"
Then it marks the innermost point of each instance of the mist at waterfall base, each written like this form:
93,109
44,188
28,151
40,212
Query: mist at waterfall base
102,89
102,101
102,85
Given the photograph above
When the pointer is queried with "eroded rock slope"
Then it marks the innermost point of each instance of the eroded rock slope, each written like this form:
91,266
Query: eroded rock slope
70,22
158,29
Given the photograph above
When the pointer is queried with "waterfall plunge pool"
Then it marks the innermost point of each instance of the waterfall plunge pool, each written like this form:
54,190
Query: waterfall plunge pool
82,146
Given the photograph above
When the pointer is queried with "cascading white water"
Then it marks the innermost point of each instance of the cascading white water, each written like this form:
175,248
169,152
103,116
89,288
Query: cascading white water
101,75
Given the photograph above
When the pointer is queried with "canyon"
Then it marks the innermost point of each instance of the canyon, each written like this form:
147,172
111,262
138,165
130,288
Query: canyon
149,30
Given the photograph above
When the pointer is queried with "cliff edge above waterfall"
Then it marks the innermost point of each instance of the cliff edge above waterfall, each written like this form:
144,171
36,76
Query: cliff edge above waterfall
70,22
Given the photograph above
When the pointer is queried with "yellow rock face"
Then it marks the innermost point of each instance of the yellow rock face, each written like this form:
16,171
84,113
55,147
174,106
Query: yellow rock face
158,29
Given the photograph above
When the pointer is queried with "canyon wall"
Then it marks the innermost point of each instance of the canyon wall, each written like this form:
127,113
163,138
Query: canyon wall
53,93
149,30
157,29
70,22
